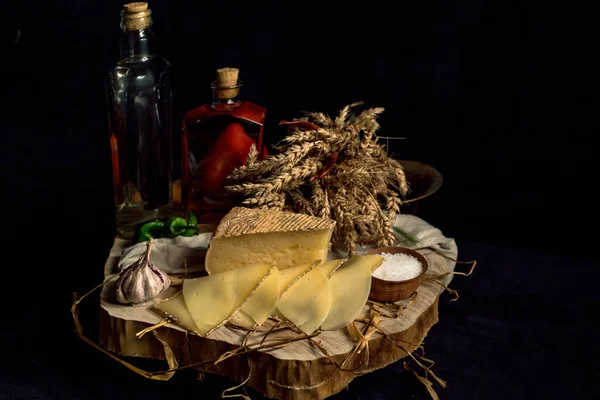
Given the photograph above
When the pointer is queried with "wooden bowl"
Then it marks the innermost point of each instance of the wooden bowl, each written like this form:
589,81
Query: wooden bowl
423,180
390,291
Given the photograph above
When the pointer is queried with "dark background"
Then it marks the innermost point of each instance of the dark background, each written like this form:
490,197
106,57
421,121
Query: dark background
499,96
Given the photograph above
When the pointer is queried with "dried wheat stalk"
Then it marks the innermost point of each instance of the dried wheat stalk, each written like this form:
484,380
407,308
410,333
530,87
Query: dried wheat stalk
362,191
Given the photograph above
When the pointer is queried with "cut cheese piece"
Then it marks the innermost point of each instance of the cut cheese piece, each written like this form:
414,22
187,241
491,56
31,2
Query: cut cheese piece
374,261
175,309
210,299
350,287
248,281
243,320
288,276
307,300
331,266
249,236
213,299
263,301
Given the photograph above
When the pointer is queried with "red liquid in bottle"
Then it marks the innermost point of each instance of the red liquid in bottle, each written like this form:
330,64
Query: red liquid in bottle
216,138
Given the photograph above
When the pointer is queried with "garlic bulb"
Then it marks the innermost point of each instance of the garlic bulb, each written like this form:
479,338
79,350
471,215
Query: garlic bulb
141,281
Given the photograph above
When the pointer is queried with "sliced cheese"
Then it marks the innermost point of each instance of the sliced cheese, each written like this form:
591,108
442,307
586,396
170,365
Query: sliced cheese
213,299
249,278
307,300
241,319
288,276
263,301
331,266
210,299
350,287
176,309
374,261
250,236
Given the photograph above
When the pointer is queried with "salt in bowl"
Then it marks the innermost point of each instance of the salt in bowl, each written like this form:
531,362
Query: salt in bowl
391,290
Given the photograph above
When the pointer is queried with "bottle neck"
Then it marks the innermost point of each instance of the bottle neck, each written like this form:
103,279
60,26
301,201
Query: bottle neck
226,98
137,45
225,104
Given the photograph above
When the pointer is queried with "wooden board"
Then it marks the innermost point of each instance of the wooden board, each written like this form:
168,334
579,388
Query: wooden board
273,377
297,371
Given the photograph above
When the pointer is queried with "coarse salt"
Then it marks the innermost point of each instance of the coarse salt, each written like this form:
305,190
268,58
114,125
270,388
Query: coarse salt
398,267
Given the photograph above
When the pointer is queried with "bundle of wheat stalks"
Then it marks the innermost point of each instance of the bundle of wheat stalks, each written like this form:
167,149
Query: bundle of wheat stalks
331,168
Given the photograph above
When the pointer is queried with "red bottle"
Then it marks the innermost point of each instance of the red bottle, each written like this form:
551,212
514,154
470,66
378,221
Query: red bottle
216,138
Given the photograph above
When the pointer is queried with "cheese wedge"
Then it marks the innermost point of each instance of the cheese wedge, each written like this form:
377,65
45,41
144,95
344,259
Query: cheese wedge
175,309
350,287
211,300
307,300
249,236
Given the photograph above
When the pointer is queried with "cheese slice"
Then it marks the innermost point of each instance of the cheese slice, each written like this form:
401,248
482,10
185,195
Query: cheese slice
243,320
263,301
374,261
307,300
176,309
350,288
213,299
331,266
210,299
249,236
289,276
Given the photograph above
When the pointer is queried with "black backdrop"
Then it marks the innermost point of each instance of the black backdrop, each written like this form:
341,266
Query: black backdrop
498,95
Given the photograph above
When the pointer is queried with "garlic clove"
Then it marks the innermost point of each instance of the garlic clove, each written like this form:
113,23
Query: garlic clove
142,281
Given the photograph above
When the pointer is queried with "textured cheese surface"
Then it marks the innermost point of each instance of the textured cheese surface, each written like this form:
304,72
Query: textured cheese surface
176,309
350,287
243,221
263,301
307,301
247,236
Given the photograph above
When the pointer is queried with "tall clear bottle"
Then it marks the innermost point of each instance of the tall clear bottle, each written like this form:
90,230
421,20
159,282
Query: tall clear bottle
139,107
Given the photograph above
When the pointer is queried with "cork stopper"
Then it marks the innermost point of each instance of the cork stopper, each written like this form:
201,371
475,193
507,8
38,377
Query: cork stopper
135,7
227,85
136,16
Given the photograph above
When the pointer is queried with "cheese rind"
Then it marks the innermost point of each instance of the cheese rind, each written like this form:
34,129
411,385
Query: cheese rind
350,287
248,236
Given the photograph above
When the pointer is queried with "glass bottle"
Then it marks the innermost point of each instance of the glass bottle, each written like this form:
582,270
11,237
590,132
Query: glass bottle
216,138
139,109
